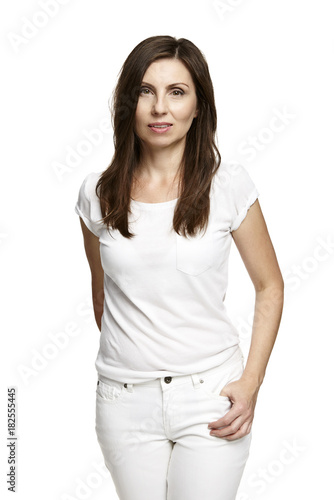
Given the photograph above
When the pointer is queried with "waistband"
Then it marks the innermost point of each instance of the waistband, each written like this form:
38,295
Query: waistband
235,356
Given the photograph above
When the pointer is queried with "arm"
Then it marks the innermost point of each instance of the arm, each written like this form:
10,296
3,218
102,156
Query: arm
92,249
256,250
255,247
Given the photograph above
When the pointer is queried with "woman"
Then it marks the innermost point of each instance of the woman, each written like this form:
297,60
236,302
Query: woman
158,225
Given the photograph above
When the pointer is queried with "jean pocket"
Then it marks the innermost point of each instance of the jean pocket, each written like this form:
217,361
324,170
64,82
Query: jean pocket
111,392
194,254
213,384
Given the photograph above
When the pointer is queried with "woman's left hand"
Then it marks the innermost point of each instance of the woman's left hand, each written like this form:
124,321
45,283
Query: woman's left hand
237,422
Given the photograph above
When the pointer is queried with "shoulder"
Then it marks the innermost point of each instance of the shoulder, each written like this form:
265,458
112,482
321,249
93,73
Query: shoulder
89,183
234,192
231,176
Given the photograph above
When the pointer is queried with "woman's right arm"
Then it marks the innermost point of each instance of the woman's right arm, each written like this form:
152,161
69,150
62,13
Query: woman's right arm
92,249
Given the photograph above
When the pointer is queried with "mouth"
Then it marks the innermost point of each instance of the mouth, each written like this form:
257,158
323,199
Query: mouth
160,127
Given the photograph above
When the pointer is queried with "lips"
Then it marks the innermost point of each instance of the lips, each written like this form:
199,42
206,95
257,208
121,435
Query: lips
160,124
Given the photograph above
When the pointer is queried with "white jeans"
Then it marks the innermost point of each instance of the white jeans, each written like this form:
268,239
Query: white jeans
155,439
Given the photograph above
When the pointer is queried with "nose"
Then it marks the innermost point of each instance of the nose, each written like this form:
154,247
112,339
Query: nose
159,104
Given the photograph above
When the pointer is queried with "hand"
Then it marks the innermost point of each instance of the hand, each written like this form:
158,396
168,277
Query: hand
237,422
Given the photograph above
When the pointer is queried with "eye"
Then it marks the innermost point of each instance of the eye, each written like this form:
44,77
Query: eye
143,89
178,90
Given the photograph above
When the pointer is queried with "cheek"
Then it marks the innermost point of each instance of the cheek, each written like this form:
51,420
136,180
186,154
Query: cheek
184,113
139,117
142,112
138,112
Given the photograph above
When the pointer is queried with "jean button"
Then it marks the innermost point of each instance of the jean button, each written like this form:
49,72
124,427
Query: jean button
168,380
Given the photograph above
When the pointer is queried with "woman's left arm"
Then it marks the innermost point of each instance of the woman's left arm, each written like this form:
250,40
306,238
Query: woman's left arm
257,252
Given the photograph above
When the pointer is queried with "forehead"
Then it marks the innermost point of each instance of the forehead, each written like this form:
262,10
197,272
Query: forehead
165,71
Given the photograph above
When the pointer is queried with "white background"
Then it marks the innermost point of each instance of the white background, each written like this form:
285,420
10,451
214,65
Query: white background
266,58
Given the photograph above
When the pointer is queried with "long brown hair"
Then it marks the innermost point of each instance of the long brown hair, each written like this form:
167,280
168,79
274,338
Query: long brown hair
198,164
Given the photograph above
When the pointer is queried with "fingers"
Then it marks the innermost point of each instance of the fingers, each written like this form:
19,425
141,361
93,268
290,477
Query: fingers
222,431
243,431
228,418
234,431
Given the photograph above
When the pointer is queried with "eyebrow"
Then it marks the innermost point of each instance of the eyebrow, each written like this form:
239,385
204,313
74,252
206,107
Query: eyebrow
168,86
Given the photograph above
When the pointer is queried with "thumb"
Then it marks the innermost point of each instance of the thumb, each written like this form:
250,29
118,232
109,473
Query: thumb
225,391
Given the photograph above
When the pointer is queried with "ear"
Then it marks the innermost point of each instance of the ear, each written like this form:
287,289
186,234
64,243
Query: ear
196,113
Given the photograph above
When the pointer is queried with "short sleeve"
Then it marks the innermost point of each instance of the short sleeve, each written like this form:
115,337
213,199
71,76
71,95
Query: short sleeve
88,204
243,194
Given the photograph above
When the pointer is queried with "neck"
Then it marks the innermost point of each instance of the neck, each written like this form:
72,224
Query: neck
160,164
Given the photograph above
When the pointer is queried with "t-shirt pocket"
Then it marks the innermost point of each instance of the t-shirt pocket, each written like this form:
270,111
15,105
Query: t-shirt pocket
194,254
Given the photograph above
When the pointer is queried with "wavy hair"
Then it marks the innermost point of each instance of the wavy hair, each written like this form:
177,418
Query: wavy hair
200,160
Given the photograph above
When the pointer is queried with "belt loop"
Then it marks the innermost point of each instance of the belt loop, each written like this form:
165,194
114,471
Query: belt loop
195,379
129,387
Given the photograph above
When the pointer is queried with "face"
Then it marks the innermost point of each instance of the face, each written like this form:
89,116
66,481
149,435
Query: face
167,95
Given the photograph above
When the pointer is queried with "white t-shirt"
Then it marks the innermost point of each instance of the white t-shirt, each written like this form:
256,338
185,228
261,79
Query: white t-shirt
164,311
